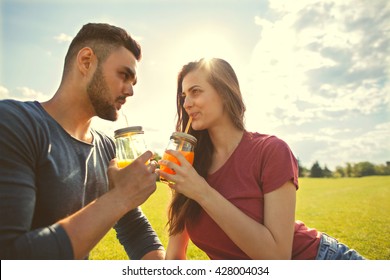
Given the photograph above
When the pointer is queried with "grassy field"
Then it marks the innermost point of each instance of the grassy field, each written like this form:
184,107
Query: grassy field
354,210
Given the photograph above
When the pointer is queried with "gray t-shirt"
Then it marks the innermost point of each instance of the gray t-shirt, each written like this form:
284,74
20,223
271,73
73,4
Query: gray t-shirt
46,175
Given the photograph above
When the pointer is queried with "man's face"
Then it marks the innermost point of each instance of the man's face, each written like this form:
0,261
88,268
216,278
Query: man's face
111,83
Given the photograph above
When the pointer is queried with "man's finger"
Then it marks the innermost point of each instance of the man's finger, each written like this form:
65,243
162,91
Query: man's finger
145,157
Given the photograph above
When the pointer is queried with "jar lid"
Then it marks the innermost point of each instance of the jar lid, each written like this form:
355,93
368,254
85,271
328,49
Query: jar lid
129,129
185,136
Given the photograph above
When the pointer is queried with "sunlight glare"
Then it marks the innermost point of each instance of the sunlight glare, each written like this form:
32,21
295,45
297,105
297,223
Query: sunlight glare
205,44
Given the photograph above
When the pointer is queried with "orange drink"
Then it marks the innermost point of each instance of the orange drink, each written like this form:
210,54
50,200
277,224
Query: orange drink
185,144
188,155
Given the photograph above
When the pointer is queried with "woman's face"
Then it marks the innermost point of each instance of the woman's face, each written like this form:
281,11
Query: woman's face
202,102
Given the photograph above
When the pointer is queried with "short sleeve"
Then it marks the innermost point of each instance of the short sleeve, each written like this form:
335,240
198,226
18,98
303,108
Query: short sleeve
279,165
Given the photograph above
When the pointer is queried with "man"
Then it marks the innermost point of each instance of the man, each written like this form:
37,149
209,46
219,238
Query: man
60,188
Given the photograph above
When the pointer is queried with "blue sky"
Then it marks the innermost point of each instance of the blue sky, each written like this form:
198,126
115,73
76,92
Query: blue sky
314,73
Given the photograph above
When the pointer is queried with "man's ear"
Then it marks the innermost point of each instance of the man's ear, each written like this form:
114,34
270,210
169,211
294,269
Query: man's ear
85,60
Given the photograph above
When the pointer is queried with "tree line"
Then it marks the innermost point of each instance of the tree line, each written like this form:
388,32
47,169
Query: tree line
359,169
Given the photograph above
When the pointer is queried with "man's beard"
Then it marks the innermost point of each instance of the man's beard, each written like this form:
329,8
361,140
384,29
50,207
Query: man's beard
99,93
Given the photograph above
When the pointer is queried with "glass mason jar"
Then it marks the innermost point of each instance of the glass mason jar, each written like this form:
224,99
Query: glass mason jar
183,142
130,144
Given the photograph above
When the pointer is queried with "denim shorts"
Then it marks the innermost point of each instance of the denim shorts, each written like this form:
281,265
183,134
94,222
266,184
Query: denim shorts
331,249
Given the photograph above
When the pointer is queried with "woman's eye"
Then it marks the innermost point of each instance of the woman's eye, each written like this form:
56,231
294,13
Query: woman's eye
195,91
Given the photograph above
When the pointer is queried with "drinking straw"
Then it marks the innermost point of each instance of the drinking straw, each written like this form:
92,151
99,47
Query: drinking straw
188,125
124,115
185,131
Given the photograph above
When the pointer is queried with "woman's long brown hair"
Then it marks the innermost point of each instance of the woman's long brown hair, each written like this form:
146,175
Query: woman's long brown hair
222,77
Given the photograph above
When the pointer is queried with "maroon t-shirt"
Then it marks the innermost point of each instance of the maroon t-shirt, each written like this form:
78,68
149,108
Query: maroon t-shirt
259,165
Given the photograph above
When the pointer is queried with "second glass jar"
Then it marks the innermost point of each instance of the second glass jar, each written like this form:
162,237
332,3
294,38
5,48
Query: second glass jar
183,142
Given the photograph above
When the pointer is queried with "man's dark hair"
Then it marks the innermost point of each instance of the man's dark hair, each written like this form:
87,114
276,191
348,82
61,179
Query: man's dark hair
102,38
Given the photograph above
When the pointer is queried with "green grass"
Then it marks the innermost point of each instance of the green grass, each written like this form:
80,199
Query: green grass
353,210
155,208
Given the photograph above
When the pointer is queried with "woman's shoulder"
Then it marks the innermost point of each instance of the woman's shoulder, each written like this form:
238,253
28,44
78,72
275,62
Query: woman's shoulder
265,144
267,140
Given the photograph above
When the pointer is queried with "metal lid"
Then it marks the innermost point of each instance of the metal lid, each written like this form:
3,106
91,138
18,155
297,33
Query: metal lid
185,136
129,129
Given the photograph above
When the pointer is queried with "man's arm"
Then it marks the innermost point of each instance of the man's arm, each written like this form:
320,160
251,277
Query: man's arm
138,238
21,234
130,187
154,255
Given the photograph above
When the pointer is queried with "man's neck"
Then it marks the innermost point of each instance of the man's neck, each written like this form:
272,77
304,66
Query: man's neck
71,115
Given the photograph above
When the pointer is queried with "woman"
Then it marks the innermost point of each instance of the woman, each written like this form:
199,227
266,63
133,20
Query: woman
238,200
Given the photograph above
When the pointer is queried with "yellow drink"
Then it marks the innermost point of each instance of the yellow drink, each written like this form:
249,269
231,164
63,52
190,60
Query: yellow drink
124,162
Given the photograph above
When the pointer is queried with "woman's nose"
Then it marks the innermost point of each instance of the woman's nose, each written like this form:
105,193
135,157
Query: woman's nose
187,102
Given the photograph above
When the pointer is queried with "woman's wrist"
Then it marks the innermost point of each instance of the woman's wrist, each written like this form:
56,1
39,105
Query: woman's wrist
205,195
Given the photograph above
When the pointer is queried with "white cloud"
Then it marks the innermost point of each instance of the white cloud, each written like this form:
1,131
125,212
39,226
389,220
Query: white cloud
4,93
370,146
334,146
25,94
22,94
316,65
61,38
319,53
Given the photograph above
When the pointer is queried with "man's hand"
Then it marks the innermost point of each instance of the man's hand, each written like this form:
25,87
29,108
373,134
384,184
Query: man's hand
134,183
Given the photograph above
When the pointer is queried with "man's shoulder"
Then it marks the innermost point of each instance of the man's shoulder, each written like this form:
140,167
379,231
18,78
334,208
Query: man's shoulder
19,108
21,116
9,103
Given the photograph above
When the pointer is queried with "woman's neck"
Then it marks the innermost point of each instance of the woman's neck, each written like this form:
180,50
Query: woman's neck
225,142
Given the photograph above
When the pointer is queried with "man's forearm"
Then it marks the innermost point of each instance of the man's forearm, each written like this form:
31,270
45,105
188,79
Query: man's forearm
88,226
154,255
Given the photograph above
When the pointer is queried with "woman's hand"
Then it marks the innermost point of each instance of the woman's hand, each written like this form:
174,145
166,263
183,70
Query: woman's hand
186,180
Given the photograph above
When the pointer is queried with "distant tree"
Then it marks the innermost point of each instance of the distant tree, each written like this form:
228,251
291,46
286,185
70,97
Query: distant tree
339,172
364,169
348,170
382,169
359,169
316,171
326,172
302,171
157,157
386,168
